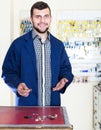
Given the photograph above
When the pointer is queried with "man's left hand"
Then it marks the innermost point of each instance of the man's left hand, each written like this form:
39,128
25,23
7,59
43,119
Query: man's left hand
60,84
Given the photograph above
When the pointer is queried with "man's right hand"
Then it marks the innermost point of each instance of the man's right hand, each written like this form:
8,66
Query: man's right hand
23,90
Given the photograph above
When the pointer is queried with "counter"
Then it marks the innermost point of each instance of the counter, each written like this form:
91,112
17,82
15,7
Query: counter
27,118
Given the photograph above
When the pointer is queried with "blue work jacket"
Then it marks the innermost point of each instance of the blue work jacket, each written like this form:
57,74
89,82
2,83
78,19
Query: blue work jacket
20,66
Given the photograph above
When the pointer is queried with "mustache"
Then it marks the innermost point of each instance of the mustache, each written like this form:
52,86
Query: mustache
39,31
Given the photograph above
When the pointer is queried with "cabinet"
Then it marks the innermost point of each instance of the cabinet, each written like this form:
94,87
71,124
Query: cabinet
97,107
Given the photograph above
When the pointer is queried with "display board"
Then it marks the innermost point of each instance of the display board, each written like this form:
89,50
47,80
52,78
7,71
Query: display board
81,33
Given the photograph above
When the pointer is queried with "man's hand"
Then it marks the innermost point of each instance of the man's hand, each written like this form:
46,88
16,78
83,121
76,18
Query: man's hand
60,84
23,90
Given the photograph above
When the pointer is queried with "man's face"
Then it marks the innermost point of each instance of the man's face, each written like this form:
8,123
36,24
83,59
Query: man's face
41,20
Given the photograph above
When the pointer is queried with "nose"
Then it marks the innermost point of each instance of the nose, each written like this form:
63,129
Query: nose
42,19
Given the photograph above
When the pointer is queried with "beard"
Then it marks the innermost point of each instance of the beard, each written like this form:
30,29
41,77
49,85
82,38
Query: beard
39,31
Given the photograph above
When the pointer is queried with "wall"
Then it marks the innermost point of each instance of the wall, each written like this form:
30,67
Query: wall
4,44
78,97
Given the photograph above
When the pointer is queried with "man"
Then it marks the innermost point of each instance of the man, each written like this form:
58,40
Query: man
36,65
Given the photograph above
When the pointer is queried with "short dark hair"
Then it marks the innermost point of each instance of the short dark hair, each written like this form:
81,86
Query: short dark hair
39,5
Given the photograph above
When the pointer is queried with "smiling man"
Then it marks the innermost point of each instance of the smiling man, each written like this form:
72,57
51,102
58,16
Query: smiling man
36,66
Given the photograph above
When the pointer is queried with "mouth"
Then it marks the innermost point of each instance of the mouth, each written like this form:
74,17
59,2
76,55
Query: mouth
43,25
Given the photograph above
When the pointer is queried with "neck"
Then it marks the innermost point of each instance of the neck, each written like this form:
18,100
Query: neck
43,37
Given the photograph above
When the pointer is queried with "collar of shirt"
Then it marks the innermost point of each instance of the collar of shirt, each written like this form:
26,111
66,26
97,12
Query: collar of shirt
34,36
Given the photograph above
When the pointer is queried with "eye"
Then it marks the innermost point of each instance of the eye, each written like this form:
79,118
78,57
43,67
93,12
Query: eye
46,16
38,16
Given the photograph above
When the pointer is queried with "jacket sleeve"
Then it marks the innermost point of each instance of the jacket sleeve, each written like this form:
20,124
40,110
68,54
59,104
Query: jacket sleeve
65,69
10,69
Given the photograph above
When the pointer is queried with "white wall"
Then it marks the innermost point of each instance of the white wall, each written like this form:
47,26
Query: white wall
78,97
4,44
79,103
